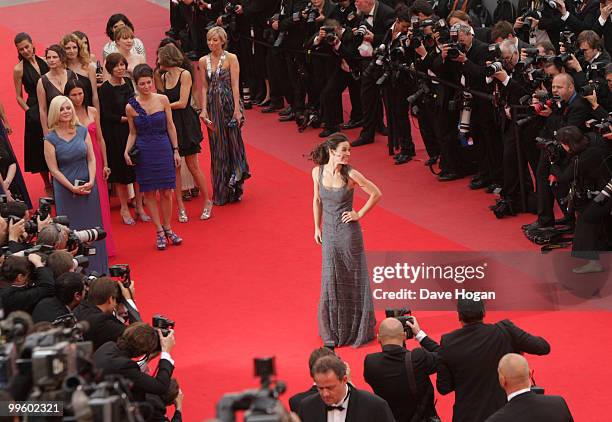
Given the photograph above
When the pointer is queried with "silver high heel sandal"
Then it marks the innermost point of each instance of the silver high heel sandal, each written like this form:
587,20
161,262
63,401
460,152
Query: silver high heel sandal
182,216
207,213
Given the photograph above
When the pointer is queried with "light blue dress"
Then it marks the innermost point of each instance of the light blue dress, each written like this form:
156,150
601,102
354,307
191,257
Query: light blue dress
83,211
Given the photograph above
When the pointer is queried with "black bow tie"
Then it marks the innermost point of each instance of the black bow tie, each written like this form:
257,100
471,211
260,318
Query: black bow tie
330,408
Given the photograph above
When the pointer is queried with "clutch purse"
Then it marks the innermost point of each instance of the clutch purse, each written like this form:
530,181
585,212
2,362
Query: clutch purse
134,154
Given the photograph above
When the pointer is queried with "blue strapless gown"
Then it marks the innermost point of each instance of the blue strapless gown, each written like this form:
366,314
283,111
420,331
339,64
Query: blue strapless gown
155,168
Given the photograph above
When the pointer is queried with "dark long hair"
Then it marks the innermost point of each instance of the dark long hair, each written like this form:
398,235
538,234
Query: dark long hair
573,138
320,155
113,20
72,84
59,50
22,36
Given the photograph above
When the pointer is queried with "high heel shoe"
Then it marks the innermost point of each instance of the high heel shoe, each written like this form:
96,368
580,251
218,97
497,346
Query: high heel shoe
182,216
207,212
127,219
172,237
143,216
160,240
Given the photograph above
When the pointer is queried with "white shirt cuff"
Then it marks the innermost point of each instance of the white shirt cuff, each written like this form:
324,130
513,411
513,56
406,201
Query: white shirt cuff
131,303
564,17
166,355
420,336
602,22
505,81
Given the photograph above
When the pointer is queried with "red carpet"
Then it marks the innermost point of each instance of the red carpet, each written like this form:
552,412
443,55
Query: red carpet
246,283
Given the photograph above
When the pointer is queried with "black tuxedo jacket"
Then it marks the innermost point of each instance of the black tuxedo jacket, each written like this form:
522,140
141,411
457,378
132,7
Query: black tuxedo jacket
26,298
113,361
576,113
384,16
604,31
49,309
468,359
531,407
386,373
296,400
362,407
102,327
584,18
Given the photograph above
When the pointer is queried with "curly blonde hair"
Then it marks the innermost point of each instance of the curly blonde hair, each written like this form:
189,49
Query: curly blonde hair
83,54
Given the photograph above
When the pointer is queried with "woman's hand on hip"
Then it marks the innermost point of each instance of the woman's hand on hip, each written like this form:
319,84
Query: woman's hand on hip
348,216
177,159
318,237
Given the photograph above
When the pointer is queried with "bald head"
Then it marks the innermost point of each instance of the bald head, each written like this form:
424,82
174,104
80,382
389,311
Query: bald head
513,371
391,331
564,78
563,86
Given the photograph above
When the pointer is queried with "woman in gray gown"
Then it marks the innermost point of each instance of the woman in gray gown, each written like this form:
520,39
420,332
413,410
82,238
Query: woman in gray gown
346,311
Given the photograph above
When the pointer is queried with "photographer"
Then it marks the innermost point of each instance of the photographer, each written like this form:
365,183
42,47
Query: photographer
583,16
23,287
69,292
467,63
397,86
137,343
296,399
387,371
98,309
523,404
568,109
603,24
378,18
468,359
588,170
338,41
174,396
593,59
601,107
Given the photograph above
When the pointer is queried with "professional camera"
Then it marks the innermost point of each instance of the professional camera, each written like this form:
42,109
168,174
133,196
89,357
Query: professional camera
359,34
228,18
553,149
402,315
330,34
493,68
533,57
260,405
465,120
567,40
528,17
121,271
454,47
13,329
420,94
440,27
589,88
418,32
44,208
596,71
379,61
602,127
81,239
31,226
311,12
163,323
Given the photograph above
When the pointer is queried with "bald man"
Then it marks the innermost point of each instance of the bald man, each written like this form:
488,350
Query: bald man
571,110
524,405
386,372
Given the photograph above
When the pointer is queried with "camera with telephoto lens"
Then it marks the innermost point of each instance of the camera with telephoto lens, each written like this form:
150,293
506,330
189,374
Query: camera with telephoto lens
602,127
531,57
419,37
551,148
31,226
311,13
454,47
330,34
589,89
493,68
359,34
567,40
260,405
379,61
45,205
402,315
121,271
81,239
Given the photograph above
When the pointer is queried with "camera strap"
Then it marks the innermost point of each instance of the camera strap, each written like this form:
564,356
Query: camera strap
410,372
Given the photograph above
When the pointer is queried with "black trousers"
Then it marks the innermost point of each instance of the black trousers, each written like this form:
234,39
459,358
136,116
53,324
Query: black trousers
177,16
396,106
371,104
592,230
296,71
487,142
331,97
429,117
280,87
547,192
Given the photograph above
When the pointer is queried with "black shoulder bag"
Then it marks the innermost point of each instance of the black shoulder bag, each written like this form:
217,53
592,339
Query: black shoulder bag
421,409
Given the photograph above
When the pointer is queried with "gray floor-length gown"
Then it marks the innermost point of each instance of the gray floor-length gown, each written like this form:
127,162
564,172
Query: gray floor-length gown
346,311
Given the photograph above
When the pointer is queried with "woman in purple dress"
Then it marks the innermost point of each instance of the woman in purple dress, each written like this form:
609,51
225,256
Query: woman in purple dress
153,135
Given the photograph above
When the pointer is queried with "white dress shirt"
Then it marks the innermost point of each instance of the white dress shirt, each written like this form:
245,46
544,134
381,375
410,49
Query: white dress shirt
518,392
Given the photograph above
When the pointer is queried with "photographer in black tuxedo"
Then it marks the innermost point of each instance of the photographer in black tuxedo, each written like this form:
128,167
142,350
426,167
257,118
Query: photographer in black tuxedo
296,399
387,371
468,359
378,18
336,395
523,404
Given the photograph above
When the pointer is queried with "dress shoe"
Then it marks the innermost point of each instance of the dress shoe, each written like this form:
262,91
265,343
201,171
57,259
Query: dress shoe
565,221
328,132
479,184
287,117
493,188
362,141
535,225
448,176
432,160
263,103
272,108
286,111
401,159
351,124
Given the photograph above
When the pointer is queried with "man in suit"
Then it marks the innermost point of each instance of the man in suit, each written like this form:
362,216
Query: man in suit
23,288
603,24
137,343
468,359
378,18
295,400
98,309
338,401
571,110
503,30
386,371
524,405
69,292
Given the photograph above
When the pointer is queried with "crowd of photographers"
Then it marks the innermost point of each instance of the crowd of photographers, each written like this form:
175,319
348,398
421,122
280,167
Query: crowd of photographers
75,336
490,91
